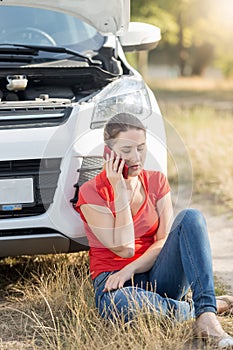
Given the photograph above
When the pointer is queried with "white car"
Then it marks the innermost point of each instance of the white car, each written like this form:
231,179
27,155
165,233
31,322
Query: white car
63,73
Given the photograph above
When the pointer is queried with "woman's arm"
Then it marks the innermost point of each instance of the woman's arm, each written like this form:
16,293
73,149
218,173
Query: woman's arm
115,233
165,212
146,261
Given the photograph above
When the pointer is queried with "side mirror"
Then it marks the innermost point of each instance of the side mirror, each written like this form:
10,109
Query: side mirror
140,37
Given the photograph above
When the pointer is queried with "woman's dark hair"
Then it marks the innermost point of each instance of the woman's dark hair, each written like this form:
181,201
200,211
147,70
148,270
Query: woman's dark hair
119,123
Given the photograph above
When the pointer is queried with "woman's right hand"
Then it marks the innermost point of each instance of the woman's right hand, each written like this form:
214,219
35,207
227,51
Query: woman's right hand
114,168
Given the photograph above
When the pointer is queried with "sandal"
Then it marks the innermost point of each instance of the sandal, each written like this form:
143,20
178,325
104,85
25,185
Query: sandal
208,329
217,342
225,342
228,299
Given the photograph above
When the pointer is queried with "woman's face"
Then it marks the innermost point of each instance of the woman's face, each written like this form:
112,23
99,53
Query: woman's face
131,146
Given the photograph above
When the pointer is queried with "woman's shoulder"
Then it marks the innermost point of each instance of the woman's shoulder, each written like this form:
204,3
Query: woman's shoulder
93,184
97,187
156,183
90,192
88,184
153,175
86,192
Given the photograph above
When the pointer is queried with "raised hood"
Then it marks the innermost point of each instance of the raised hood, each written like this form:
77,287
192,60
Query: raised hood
107,16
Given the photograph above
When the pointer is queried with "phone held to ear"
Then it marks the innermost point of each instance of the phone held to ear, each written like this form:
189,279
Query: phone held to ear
125,171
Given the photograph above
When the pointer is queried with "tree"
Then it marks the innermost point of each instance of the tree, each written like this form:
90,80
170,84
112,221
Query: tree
195,29
174,20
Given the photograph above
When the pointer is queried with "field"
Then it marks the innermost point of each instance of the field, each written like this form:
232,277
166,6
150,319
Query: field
46,302
199,119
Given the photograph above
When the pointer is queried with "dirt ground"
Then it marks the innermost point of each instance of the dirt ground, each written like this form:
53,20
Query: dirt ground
221,236
220,226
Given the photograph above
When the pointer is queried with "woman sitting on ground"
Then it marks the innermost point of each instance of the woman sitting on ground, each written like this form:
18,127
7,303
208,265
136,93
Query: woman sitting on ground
136,259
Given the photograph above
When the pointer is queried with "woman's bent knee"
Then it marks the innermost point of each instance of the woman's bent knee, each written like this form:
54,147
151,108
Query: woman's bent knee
190,218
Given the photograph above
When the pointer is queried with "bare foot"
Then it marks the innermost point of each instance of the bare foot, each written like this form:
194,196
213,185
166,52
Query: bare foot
224,304
207,324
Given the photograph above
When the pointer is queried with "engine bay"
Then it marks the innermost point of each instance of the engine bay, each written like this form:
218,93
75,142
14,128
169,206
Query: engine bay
67,82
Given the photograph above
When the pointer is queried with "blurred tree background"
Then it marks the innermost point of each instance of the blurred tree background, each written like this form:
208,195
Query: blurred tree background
196,34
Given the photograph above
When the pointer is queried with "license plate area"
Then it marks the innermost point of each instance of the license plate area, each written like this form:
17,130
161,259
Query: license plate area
16,191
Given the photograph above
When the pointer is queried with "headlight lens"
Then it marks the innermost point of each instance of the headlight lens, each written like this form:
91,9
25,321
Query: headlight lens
128,95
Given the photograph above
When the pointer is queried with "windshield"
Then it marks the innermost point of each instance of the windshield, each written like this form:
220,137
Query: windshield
25,25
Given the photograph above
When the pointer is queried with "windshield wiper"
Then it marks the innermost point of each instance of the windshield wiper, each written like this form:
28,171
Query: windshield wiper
20,48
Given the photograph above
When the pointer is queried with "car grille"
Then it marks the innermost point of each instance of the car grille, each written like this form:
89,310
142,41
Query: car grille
91,166
27,231
34,115
45,174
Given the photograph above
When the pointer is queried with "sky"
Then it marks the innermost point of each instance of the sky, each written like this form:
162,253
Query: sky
223,12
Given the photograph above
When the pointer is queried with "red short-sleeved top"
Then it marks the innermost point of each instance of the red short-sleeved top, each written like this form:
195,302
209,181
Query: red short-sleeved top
98,191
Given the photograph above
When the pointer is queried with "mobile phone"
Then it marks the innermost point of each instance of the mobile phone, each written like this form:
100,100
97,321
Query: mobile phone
125,170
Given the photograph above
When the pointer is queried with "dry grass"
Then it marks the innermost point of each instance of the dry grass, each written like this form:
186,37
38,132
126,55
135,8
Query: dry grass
192,84
207,135
51,307
201,117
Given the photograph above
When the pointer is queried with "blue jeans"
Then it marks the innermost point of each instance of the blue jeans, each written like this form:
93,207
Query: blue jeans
184,262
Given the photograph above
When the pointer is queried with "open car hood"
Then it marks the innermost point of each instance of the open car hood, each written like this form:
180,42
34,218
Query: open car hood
107,16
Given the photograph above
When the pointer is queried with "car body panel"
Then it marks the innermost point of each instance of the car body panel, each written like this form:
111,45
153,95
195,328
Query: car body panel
51,129
106,16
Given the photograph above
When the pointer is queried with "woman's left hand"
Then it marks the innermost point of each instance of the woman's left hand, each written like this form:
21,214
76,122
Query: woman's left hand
118,279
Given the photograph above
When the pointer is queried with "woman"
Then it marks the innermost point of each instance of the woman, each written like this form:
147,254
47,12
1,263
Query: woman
134,262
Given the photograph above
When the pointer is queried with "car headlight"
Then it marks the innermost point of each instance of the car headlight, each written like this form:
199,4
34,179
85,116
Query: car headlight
128,95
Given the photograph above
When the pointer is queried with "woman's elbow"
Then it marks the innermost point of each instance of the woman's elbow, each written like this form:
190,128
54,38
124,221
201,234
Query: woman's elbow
125,252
